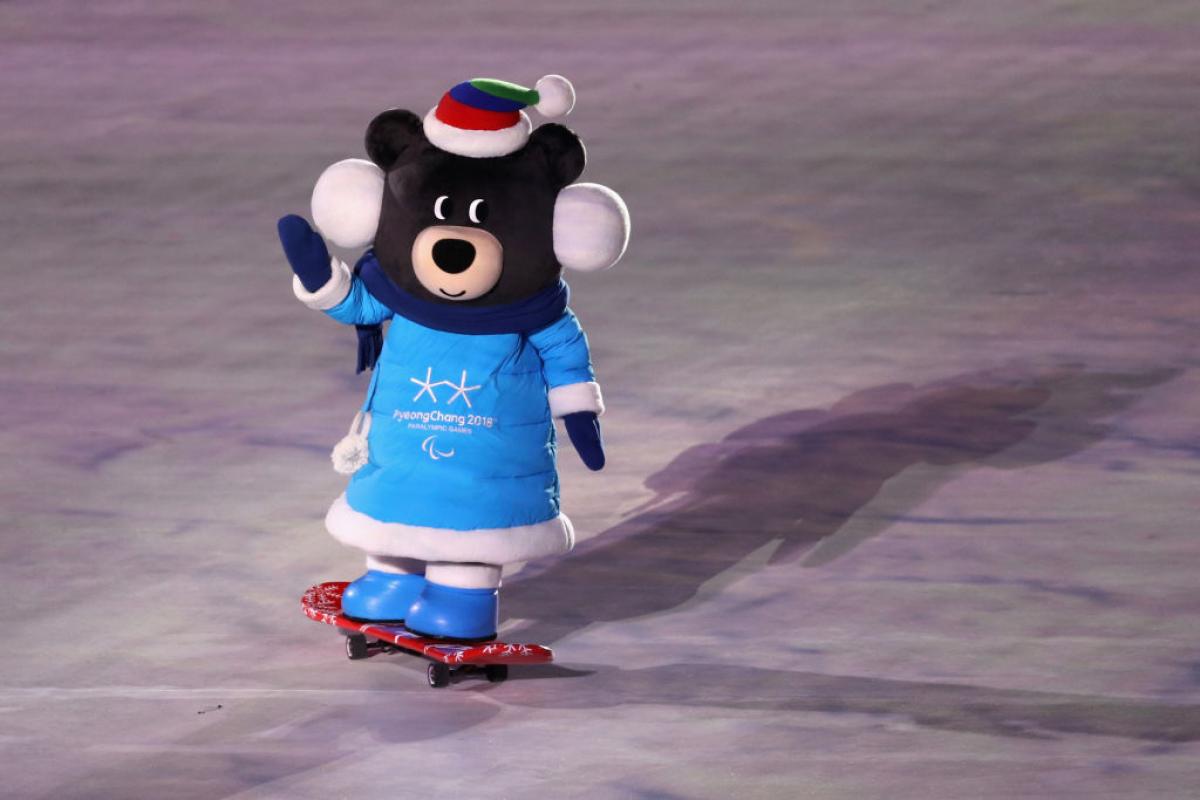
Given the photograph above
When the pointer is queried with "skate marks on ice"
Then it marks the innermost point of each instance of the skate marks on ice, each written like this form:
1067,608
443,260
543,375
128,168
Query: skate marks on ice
261,736
797,481
942,706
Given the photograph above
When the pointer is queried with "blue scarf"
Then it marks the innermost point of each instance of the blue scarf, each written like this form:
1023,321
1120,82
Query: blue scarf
524,316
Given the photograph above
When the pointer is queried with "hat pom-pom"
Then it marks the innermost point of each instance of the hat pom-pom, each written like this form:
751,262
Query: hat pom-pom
556,96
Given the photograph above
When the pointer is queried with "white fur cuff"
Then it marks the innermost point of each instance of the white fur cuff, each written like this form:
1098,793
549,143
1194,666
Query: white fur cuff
333,292
576,397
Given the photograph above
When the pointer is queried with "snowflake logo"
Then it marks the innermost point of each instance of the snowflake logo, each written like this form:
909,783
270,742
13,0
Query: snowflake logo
461,388
426,385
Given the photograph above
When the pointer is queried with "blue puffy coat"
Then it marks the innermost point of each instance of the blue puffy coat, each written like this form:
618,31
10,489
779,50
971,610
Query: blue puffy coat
461,441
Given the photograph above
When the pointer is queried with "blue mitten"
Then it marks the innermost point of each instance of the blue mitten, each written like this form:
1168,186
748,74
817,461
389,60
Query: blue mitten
305,251
584,430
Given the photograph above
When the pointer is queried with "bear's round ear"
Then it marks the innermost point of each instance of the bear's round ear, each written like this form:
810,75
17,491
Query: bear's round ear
391,133
591,227
562,150
346,202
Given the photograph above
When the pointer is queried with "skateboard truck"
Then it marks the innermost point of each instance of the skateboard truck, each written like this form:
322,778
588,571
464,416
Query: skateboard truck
358,646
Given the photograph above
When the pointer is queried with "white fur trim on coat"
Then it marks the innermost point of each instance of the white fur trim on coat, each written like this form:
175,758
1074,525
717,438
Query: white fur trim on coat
333,292
591,227
485,545
477,144
576,397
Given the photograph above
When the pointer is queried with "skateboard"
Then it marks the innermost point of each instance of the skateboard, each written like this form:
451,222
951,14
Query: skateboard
448,658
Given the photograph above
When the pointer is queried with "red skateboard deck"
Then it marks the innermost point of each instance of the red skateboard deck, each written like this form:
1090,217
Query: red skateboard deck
323,603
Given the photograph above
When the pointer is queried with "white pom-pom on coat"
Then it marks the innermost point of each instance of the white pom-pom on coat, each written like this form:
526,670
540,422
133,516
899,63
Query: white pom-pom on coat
353,452
346,202
591,227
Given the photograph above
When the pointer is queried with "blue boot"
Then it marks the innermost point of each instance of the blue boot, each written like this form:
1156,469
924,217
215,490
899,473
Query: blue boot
453,613
381,596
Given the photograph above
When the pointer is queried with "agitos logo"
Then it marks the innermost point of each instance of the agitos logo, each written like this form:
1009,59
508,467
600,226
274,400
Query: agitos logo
430,446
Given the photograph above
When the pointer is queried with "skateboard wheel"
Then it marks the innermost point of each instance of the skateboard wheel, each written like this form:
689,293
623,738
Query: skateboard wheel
356,647
496,672
439,675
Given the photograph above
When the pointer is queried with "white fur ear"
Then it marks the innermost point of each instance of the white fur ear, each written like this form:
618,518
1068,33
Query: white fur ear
346,202
591,227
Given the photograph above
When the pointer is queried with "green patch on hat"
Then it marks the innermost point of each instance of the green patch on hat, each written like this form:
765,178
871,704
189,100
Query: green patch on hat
509,91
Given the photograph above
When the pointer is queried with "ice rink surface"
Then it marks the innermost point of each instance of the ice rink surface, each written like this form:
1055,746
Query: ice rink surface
902,369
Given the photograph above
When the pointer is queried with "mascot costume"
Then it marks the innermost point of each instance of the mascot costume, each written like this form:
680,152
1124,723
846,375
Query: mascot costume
469,216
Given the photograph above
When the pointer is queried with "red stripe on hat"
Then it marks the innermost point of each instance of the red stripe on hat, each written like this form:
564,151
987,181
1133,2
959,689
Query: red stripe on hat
461,115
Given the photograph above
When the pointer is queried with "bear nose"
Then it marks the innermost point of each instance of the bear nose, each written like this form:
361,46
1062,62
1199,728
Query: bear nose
453,255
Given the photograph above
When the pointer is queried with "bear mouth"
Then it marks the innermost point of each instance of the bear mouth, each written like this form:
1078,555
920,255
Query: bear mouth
448,294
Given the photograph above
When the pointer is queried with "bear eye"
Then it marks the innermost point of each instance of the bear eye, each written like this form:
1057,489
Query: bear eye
443,207
478,211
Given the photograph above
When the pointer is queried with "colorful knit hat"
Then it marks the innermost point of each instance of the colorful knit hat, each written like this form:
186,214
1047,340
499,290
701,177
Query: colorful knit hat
482,118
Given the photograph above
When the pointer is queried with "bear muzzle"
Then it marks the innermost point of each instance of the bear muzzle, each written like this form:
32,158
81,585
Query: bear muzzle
457,262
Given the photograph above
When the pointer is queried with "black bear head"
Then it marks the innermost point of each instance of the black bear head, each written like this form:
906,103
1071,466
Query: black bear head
478,231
